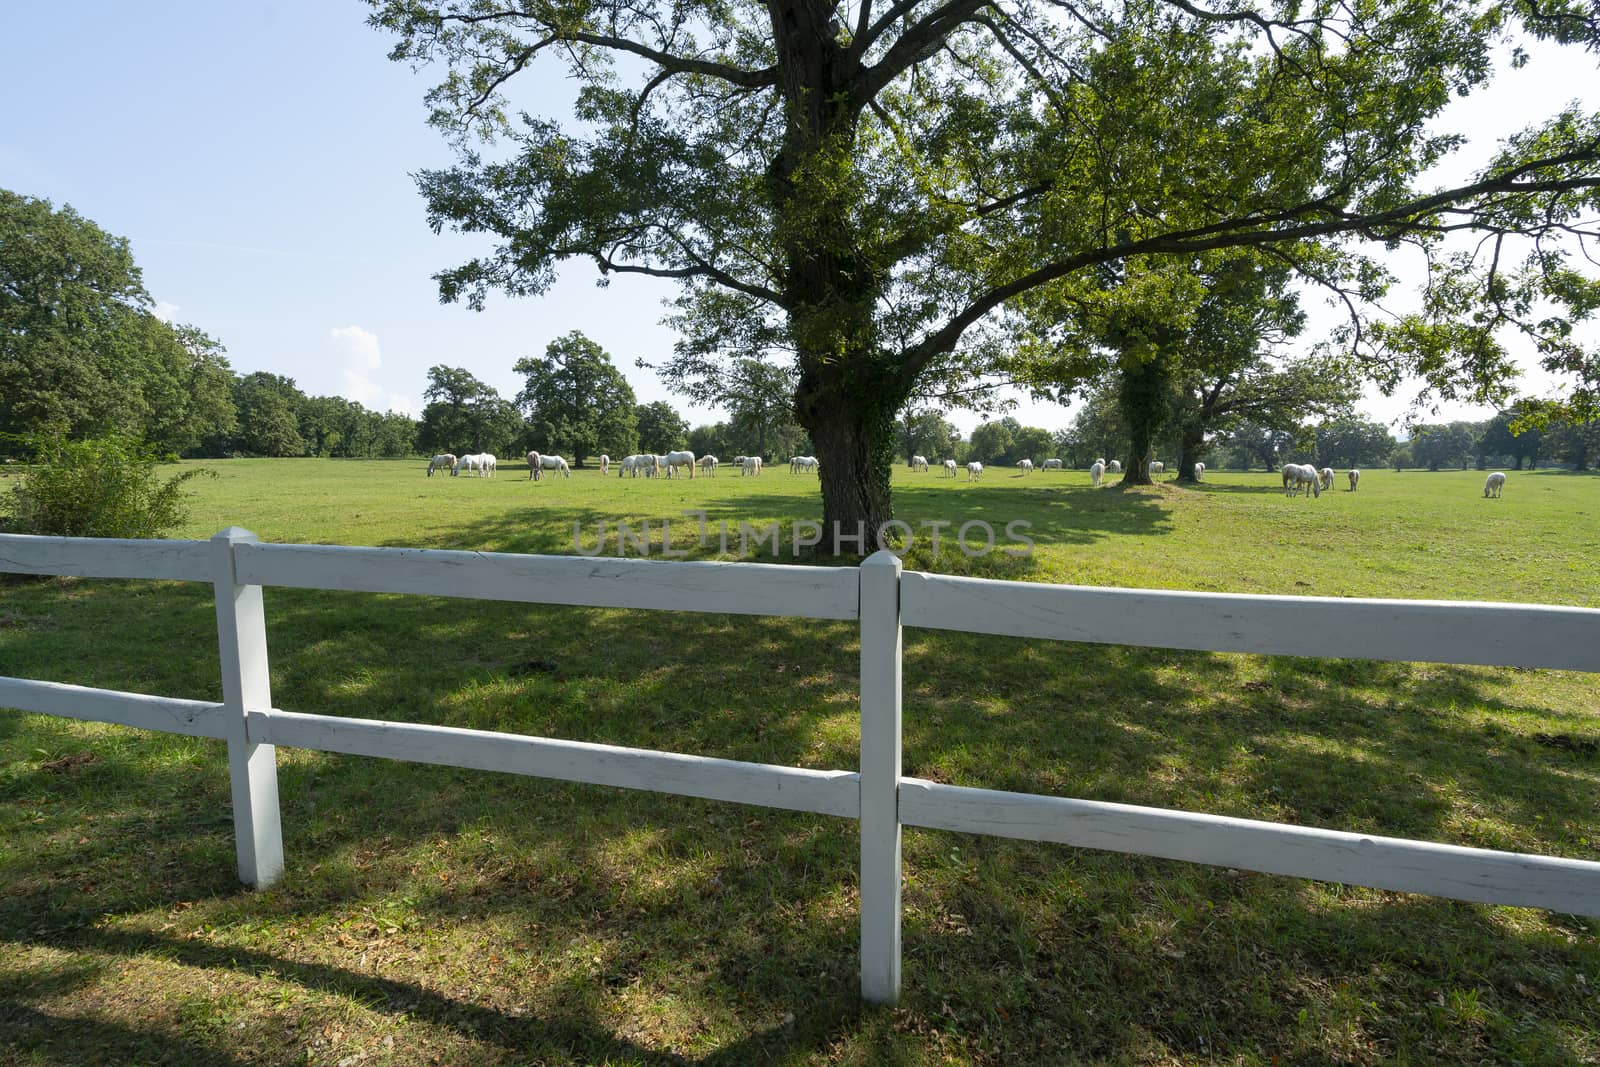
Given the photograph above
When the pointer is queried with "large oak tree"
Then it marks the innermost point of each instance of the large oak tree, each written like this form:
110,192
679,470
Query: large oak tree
883,190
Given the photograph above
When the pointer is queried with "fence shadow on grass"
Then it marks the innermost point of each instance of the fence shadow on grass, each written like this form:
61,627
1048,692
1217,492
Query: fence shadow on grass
713,904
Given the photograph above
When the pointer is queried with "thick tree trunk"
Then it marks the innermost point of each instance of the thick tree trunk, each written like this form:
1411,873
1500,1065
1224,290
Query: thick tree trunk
1190,442
1143,396
852,427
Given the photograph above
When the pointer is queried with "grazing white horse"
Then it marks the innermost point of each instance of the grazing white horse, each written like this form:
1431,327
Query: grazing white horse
1355,476
1301,477
1493,484
538,462
750,465
708,465
635,465
1199,472
950,467
1050,465
442,461
673,460
1025,466
974,471
1325,478
605,464
1157,467
1114,467
1097,472
919,463
804,464
482,463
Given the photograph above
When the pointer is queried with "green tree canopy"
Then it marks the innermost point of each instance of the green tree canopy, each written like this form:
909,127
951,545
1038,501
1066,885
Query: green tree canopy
1499,441
269,421
661,428
1444,445
80,350
577,401
927,433
1353,442
464,414
896,193
1575,442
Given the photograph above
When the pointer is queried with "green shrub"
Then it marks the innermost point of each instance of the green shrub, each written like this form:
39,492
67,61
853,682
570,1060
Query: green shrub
102,487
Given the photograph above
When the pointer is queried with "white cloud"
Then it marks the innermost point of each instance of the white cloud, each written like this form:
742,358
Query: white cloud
358,376
165,312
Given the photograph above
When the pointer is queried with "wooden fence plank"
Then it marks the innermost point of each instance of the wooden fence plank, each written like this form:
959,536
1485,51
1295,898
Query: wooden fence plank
793,788
1565,885
736,588
169,715
105,557
1512,635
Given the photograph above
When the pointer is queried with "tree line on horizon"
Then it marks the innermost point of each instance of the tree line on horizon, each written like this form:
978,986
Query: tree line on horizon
84,355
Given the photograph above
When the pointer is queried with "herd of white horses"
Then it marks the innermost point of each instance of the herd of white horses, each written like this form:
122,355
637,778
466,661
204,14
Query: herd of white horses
1298,478
645,464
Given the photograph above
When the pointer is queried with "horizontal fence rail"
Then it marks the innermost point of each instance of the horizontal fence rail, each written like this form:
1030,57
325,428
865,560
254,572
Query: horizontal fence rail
1420,631
727,588
170,715
881,599
1476,874
105,557
794,788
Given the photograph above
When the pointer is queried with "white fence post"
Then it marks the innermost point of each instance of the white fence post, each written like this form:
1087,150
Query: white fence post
246,687
880,778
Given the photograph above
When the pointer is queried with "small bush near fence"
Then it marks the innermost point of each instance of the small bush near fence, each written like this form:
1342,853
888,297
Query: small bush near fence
101,487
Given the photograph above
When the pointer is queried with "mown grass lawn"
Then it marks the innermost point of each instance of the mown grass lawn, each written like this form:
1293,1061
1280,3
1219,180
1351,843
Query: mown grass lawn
434,915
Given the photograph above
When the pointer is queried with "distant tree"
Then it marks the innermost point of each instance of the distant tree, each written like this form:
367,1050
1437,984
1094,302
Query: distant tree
321,422
993,441
927,433
1031,442
269,423
69,294
1097,430
753,387
661,428
1577,443
393,435
715,440
466,415
1270,446
577,401
80,350
196,392
1448,445
1353,442
1499,441
1271,397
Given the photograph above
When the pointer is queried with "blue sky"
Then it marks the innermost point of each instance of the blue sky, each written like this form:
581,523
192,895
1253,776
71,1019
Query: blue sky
259,156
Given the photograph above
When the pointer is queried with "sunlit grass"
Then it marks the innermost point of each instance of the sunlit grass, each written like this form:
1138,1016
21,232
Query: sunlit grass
440,914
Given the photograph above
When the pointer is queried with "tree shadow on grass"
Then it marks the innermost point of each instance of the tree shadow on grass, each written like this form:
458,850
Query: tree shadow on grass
715,905
577,1036
1053,516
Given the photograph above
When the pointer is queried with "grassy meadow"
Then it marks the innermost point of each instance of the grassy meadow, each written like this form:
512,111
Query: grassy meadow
430,915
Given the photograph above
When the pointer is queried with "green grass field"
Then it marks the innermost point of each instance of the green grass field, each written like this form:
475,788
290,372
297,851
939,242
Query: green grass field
437,915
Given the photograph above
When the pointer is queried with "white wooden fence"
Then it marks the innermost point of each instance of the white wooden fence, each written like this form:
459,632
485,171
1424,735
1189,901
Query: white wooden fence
883,600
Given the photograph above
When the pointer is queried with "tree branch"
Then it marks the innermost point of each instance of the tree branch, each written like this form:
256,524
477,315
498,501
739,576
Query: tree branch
1256,231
